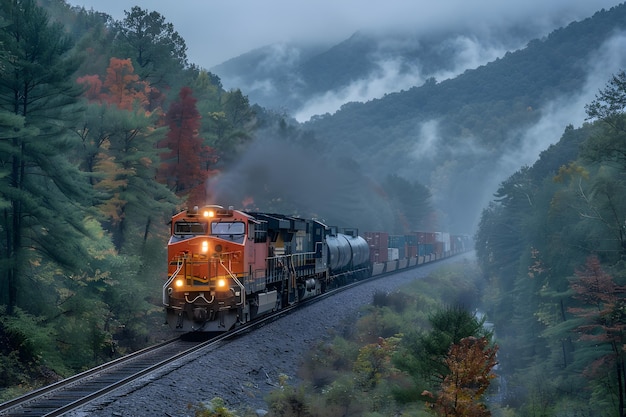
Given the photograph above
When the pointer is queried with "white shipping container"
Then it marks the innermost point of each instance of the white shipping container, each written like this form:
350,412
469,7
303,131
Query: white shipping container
393,254
445,239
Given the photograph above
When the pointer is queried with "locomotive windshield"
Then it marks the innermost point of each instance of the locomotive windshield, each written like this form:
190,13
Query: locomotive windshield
229,230
185,228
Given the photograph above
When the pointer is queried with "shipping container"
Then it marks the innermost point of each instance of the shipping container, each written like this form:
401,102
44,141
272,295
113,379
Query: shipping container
444,239
398,242
425,249
411,239
426,237
378,243
438,249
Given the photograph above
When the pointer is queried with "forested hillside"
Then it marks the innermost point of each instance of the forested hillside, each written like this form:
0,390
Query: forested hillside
553,244
301,79
106,129
461,136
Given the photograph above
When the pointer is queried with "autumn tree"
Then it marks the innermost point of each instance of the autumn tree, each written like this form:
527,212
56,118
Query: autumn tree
121,83
470,363
119,136
374,362
603,323
186,166
423,355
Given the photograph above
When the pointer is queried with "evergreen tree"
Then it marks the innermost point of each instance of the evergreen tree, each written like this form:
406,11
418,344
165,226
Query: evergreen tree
42,189
228,128
152,44
412,203
423,355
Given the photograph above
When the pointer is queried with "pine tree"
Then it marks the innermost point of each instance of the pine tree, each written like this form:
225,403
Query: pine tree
42,189
423,356
152,44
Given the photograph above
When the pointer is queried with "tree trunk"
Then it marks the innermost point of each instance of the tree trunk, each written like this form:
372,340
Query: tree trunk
147,230
619,370
620,393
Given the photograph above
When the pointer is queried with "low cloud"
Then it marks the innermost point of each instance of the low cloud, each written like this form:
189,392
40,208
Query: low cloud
556,116
394,75
388,77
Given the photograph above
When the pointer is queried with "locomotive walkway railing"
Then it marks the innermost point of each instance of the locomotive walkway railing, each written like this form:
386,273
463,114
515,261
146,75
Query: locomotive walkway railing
170,280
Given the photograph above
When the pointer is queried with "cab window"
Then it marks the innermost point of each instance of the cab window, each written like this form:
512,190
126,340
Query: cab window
229,230
190,228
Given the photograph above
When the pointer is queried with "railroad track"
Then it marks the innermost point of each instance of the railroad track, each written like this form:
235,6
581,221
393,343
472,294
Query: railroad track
70,393
66,395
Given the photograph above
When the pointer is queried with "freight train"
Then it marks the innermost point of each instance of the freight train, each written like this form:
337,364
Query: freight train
226,267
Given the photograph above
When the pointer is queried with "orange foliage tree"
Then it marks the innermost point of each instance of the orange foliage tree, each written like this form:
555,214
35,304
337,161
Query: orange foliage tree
470,362
121,87
119,135
122,82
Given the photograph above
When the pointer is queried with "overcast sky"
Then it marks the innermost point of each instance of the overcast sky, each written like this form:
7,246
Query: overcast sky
217,30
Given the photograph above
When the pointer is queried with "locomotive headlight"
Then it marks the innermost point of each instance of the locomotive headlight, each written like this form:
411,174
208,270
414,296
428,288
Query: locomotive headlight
179,282
209,213
205,246
221,283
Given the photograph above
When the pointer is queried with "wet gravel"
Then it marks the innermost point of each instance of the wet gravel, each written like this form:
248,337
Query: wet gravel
244,371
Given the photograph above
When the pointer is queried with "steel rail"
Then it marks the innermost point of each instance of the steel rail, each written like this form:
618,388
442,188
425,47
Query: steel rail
73,392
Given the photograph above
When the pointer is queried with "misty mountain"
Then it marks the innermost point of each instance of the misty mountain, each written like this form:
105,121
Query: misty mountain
304,80
457,122
462,136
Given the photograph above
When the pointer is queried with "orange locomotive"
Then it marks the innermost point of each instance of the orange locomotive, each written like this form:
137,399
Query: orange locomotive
227,267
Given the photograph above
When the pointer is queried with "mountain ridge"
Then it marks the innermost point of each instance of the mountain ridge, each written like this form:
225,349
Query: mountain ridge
485,123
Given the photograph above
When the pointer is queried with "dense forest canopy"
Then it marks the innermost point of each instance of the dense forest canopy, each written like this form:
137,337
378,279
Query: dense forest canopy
552,244
107,129
97,118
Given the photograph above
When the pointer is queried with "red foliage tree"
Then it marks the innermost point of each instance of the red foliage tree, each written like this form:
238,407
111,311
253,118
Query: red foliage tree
182,167
604,312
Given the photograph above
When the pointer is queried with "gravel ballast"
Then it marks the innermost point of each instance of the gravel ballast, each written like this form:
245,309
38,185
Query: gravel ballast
245,370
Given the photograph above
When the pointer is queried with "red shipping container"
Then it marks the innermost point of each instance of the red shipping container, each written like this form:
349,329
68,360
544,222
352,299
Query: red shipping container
378,243
439,248
426,237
